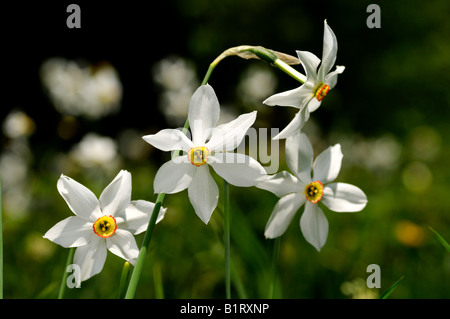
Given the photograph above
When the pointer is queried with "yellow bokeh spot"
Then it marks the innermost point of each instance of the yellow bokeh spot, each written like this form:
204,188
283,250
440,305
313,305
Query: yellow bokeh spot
409,234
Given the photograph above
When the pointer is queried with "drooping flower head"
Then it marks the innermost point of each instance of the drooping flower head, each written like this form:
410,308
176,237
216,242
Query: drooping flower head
319,81
107,223
311,184
210,146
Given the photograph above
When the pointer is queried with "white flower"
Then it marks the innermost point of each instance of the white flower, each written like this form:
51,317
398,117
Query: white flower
308,97
209,145
100,224
309,189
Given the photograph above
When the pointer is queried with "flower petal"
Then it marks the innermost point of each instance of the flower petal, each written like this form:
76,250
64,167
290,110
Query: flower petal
70,232
313,105
327,165
329,52
136,216
227,137
299,156
203,114
91,258
174,176
343,197
169,140
238,169
295,125
117,195
282,214
80,199
331,78
281,184
295,97
310,63
123,244
314,225
203,193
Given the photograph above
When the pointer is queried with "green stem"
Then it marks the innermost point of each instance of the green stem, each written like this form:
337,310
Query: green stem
226,238
124,279
276,248
1,243
63,285
286,68
144,248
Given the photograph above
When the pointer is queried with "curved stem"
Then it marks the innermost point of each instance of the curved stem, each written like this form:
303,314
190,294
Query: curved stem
276,248
226,238
62,287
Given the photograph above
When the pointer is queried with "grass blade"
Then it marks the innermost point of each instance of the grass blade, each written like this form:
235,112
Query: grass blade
441,240
390,290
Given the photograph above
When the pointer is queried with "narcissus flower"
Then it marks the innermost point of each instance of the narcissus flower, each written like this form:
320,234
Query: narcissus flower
107,223
210,146
311,184
308,97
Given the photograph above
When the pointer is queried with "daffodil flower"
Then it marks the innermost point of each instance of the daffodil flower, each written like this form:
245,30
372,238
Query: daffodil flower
107,223
210,146
311,184
308,97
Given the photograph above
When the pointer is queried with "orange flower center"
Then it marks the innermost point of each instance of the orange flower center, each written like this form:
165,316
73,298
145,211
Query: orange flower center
198,155
321,91
105,226
314,192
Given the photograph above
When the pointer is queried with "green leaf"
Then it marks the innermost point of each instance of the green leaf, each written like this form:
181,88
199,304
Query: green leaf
390,290
441,239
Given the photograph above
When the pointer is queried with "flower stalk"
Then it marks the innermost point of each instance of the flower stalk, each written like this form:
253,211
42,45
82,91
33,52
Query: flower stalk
62,287
226,238
1,243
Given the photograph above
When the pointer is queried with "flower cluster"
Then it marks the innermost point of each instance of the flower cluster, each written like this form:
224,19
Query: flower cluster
110,222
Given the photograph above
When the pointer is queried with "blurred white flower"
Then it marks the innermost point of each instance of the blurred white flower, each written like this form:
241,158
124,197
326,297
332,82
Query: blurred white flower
95,150
178,80
256,83
18,124
91,91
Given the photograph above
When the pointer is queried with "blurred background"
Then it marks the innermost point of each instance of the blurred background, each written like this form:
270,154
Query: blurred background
78,101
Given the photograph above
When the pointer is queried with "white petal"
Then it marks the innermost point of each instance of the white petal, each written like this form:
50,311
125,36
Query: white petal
70,232
174,176
310,63
343,197
295,97
313,105
295,125
314,225
123,244
227,137
299,156
80,200
203,193
282,214
135,217
91,258
327,165
329,52
169,140
281,184
331,78
203,114
238,169
117,195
